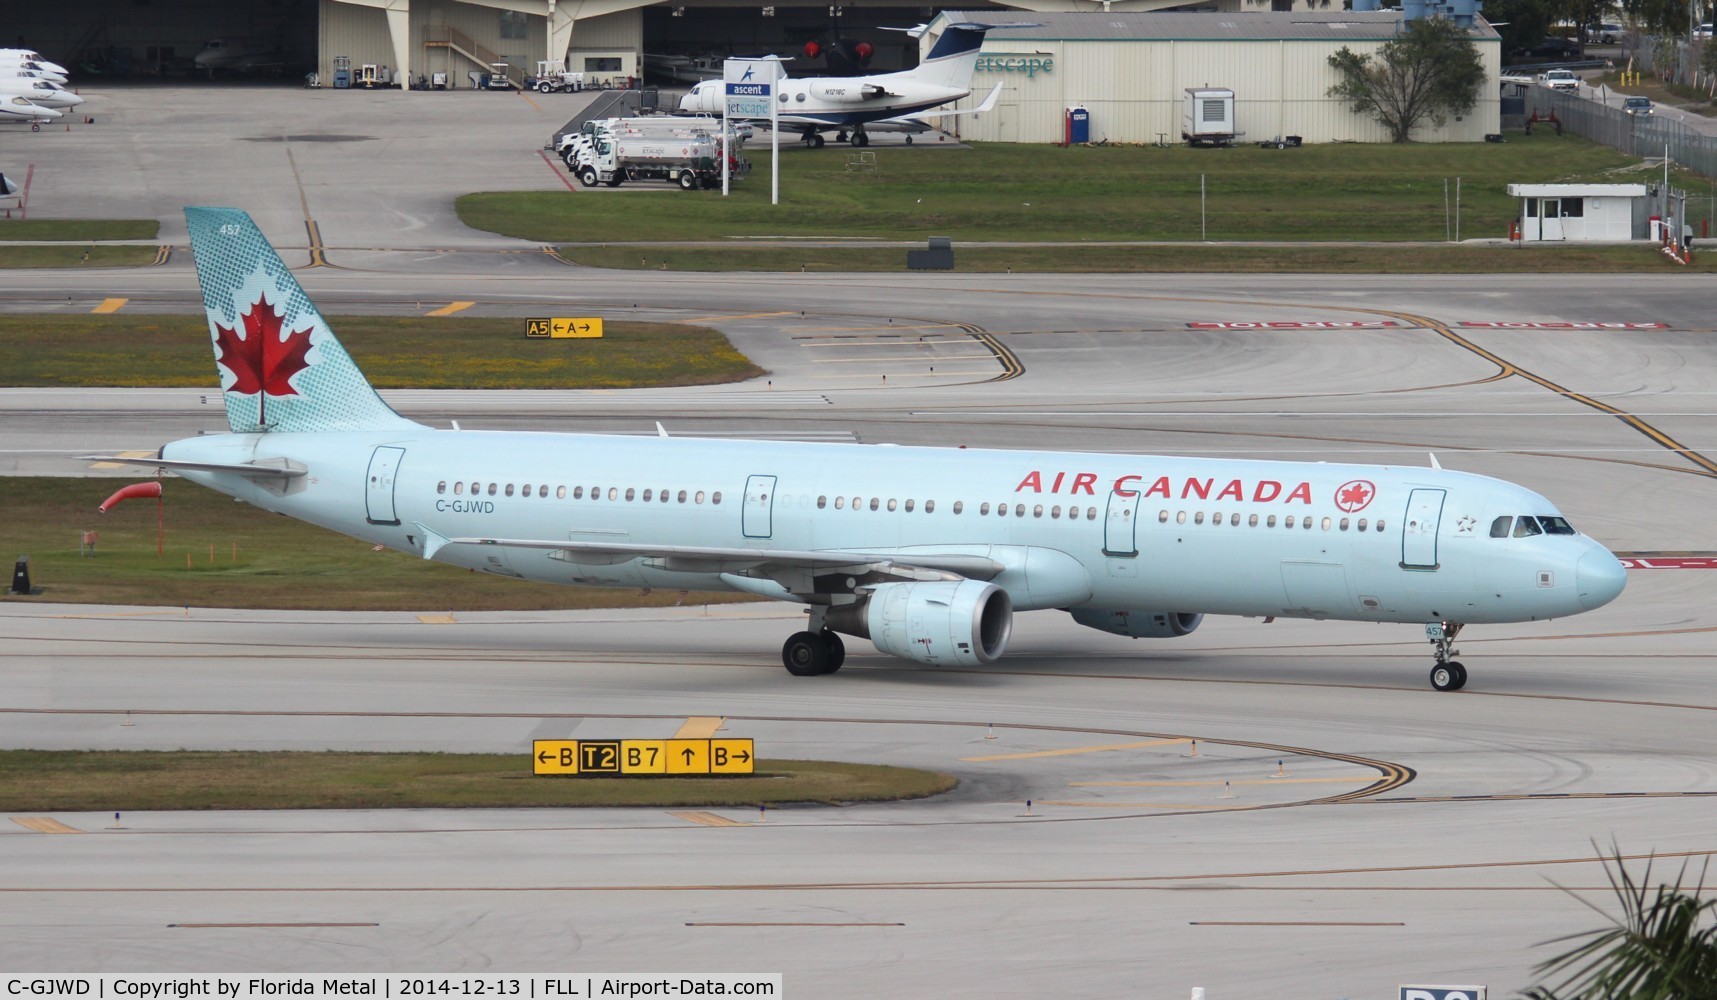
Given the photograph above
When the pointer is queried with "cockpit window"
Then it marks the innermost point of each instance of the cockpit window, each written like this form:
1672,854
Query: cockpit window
1526,527
1556,525
1499,527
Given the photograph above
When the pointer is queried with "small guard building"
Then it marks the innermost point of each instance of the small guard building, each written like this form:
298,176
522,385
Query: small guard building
1568,212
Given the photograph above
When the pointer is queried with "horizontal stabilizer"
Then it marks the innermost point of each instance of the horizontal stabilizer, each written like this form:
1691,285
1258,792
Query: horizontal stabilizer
274,468
989,104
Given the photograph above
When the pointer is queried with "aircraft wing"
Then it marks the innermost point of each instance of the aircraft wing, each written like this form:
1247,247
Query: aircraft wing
785,566
989,104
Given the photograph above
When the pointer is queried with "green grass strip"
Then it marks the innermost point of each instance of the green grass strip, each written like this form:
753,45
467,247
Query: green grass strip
1191,258
33,781
79,229
101,255
416,352
221,554
1033,193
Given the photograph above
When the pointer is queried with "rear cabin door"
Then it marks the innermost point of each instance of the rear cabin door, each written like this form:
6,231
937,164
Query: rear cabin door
1419,529
1120,525
378,492
758,517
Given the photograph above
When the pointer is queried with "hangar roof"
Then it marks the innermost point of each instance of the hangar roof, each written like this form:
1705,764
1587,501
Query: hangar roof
1182,26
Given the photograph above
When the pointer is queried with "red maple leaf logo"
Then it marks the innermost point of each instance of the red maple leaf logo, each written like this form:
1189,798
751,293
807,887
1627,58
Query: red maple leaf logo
261,361
1355,495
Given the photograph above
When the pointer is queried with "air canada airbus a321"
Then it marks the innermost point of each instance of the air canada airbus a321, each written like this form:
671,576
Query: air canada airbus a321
928,552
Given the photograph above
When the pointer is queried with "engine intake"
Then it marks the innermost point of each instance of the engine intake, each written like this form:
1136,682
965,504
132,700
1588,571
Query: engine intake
1138,624
954,623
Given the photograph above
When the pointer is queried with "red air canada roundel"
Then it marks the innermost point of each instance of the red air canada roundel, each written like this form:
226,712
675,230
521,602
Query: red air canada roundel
1354,496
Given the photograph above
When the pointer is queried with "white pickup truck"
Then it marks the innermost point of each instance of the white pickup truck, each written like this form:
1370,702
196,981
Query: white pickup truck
1559,79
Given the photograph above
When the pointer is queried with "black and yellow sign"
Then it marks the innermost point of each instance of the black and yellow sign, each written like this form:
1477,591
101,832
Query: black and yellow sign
561,327
725,756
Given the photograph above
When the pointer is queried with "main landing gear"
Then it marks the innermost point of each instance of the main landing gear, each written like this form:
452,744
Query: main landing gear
807,654
1447,675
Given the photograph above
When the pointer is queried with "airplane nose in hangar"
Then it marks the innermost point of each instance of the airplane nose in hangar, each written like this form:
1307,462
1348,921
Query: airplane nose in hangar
1599,577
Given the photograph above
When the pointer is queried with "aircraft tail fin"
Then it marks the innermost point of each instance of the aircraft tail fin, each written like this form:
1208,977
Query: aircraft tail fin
281,368
954,54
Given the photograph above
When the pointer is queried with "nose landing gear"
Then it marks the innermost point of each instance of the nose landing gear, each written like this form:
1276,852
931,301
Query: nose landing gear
1447,675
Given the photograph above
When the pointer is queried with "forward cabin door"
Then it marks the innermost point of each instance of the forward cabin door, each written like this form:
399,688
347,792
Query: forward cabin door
378,491
1419,529
1120,526
758,518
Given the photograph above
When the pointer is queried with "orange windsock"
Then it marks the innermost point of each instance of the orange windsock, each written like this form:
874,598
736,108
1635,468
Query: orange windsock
136,491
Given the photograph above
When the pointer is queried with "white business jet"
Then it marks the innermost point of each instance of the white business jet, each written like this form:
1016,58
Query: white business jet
16,108
10,63
31,55
40,93
928,552
857,105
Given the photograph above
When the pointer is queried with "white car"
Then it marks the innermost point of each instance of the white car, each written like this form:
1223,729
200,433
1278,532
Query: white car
1559,79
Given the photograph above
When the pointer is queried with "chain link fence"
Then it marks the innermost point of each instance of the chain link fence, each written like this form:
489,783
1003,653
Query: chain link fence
1636,135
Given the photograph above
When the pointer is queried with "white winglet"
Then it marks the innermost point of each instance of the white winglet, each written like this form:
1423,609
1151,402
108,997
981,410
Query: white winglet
660,430
1434,463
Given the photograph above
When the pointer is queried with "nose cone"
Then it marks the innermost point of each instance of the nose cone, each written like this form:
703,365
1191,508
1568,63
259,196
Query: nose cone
1599,577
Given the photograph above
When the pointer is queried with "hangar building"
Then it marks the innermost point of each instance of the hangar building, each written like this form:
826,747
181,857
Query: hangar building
606,39
1131,71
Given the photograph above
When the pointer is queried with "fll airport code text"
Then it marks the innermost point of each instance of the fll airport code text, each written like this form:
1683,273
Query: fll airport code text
537,986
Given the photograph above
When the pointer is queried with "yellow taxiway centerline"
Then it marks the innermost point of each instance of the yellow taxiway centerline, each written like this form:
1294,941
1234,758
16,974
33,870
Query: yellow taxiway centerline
706,819
700,727
110,306
44,824
450,308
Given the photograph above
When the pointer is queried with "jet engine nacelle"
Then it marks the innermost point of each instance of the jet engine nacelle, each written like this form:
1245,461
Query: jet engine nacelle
1138,624
845,92
950,623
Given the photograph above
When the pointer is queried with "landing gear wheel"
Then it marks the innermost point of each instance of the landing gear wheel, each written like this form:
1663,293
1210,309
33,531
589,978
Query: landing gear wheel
837,651
840,137
817,141
1443,677
861,139
1460,673
805,654
1448,674
909,140
688,181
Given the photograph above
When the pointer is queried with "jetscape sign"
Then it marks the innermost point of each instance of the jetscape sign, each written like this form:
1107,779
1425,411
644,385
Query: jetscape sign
1029,63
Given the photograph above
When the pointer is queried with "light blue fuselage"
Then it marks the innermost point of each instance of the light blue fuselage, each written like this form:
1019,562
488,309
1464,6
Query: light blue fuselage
1114,532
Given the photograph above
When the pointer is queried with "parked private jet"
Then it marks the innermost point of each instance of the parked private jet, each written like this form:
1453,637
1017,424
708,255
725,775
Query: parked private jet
16,108
857,105
239,56
40,93
10,63
928,552
32,56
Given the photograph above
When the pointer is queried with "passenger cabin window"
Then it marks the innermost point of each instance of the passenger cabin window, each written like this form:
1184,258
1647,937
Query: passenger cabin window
441,487
1499,527
458,488
560,493
930,507
715,497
